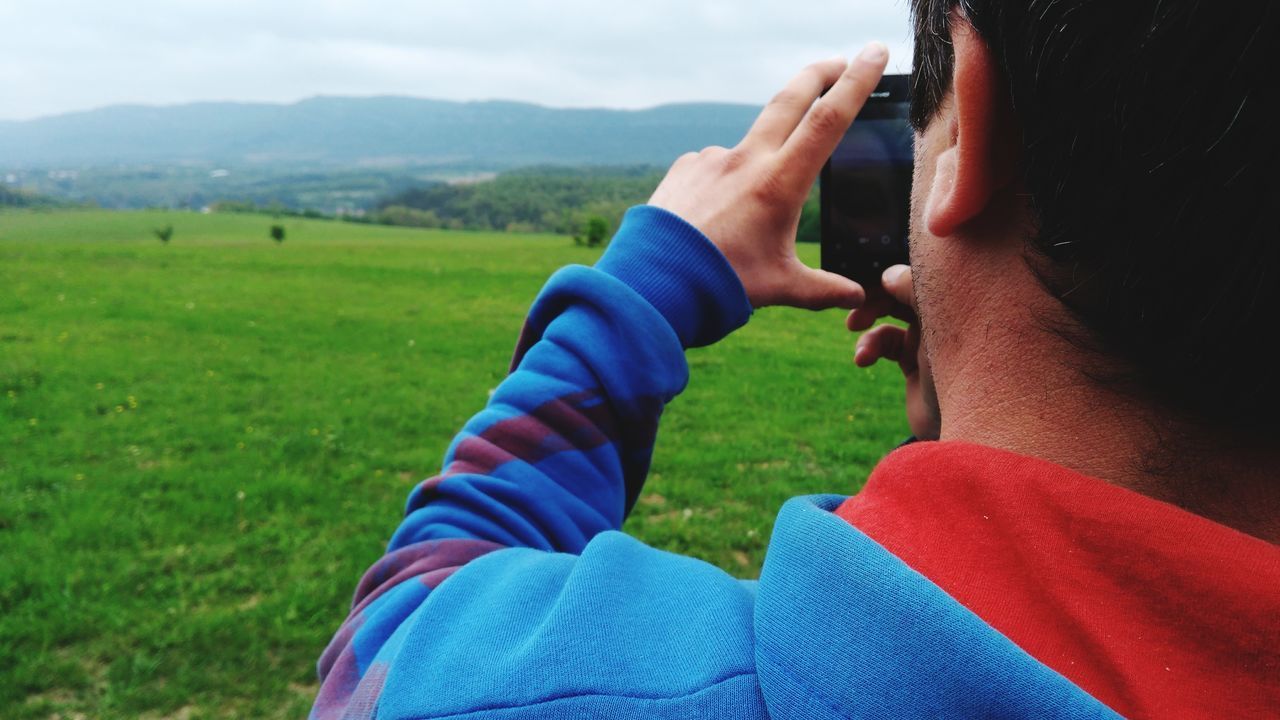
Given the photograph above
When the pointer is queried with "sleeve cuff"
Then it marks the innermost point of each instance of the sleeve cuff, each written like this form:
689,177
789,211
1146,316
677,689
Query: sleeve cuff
673,266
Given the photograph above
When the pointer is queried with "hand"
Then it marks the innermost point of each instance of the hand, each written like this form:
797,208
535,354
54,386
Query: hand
747,200
901,346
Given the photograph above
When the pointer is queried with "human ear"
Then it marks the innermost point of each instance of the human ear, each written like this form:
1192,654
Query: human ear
974,162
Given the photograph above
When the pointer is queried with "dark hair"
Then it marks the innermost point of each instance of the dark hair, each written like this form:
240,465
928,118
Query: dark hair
1151,163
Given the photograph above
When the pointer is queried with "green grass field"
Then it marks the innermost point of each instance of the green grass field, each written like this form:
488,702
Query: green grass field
204,444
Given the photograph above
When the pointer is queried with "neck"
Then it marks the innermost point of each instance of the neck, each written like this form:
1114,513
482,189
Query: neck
1017,390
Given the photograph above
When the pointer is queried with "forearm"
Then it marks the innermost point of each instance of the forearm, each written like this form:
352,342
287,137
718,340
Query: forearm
563,447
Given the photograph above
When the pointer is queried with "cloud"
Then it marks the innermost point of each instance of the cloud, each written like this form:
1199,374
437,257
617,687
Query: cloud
65,55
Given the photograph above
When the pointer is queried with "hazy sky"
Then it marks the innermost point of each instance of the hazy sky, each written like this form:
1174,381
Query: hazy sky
62,55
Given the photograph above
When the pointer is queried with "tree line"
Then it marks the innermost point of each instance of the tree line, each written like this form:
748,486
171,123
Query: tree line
539,199
567,201
10,198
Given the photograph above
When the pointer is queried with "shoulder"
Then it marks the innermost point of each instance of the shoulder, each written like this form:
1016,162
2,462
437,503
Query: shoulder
623,630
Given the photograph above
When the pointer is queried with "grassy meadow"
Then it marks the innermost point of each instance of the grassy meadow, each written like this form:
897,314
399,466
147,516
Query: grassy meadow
204,444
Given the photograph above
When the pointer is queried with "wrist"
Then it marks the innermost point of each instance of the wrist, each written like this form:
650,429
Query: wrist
673,266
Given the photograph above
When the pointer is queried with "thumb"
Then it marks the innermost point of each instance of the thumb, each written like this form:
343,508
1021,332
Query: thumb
819,290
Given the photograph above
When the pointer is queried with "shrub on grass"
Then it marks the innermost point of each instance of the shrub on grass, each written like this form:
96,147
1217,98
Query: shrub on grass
597,229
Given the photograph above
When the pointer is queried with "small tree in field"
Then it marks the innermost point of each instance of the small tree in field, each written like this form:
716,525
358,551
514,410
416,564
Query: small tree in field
164,233
597,230
277,233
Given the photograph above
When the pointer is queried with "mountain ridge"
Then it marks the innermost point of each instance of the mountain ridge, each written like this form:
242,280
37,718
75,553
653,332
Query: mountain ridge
329,130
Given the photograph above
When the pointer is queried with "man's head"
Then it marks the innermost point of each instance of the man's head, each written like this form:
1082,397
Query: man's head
1123,155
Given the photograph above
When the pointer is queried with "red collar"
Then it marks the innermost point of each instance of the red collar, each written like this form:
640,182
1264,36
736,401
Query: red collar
1153,610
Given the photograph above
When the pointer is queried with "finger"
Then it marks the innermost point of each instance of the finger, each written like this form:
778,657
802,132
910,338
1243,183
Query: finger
887,342
819,290
878,305
891,343
785,111
898,300
897,282
876,308
817,136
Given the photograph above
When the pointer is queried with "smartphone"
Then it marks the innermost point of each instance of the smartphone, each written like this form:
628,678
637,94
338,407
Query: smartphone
865,188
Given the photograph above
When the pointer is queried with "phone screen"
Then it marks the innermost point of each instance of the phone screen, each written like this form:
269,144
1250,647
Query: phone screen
866,188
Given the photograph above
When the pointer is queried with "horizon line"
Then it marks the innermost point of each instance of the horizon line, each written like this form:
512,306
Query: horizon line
379,96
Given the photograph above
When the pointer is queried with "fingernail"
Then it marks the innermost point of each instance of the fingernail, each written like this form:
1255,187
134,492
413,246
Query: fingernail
893,274
874,52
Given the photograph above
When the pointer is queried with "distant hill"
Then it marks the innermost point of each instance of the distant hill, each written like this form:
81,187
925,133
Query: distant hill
370,132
